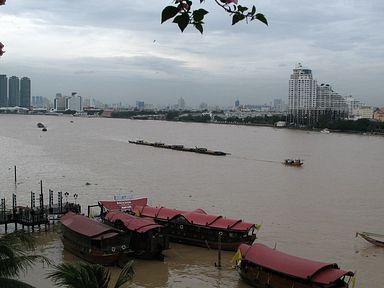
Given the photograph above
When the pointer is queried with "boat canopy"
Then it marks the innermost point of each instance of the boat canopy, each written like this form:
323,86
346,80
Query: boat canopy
132,223
317,272
87,227
122,205
196,217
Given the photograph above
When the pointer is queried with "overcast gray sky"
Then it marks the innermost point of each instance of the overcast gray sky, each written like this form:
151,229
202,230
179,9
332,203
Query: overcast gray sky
117,51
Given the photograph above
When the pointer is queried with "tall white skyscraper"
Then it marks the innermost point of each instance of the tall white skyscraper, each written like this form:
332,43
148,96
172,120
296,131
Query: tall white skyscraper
302,95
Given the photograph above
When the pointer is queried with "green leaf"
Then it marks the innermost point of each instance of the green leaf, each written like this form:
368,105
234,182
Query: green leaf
199,27
182,21
241,8
253,10
261,18
198,15
168,13
237,17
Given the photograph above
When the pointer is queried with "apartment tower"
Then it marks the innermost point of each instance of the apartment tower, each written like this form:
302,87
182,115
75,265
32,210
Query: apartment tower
302,95
25,92
3,91
14,91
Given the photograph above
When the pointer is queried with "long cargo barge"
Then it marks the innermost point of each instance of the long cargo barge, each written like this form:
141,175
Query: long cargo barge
179,148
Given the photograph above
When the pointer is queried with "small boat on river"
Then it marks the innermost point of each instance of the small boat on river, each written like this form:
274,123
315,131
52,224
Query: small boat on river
40,125
91,240
262,267
376,239
325,131
293,162
179,147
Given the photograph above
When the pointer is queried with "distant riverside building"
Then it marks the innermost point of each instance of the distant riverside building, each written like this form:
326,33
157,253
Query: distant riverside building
352,104
74,102
329,103
140,105
309,102
3,91
59,103
63,103
181,103
302,95
237,103
363,112
37,101
379,114
14,91
25,92
279,105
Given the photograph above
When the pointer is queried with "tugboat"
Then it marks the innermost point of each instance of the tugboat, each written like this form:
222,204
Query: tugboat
293,162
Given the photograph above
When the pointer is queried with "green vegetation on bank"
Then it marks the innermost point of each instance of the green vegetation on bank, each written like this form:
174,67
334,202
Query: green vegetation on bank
357,126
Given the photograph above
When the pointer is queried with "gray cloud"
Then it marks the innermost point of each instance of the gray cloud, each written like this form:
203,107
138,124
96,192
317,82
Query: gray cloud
106,50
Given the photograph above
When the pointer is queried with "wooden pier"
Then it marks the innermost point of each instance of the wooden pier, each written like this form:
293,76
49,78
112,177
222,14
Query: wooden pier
35,216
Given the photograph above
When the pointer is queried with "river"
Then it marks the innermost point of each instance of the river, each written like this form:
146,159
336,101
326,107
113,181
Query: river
311,212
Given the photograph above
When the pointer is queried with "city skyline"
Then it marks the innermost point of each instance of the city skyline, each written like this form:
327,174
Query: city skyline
130,56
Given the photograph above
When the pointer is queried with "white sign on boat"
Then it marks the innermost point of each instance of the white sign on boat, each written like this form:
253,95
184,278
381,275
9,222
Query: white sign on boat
123,197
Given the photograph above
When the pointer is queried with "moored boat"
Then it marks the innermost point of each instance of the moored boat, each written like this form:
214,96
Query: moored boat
91,240
293,162
262,267
199,228
191,227
374,238
147,238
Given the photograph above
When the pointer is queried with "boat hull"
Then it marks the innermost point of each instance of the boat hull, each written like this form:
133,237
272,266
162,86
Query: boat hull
263,279
368,237
90,255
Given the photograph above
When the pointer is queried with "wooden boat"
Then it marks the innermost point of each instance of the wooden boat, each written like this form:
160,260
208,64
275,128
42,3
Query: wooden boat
293,162
199,228
178,147
147,238
376,239
91,240
191,227
262,267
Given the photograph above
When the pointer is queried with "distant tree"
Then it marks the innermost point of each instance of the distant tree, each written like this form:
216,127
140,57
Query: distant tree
85,275
16,257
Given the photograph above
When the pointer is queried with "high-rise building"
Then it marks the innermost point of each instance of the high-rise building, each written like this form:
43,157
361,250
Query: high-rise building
14,91
74,103
25,92
301,95
181,103
3,91
329,100
237,103
140,105
59,103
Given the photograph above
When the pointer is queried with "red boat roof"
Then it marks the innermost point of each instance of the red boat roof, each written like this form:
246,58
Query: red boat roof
123,205
140,225
197,217
87,227
317,272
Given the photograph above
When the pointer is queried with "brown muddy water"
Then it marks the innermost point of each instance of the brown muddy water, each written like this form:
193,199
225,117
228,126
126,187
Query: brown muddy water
311,212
